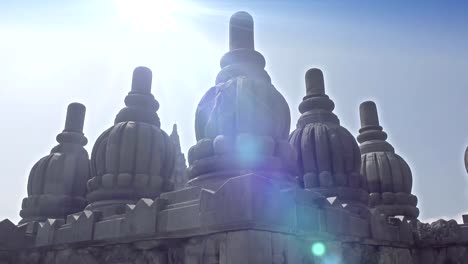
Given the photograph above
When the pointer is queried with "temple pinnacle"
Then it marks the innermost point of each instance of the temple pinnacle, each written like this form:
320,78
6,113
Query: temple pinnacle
141,81
314,82
368,114
75,118
241,31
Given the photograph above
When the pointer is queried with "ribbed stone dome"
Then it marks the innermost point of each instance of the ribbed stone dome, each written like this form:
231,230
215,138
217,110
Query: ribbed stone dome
328,155
244,99
242,123
388,176
57,182
134,158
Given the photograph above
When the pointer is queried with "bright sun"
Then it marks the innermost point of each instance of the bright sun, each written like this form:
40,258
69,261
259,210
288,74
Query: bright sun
150,15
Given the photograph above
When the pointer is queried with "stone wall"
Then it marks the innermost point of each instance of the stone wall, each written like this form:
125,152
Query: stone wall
244,246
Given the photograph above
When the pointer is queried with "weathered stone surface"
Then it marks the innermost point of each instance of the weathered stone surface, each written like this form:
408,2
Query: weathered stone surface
439,232
11,236
133,159
243,204
388,255
328,155
240,121
57,182
388,176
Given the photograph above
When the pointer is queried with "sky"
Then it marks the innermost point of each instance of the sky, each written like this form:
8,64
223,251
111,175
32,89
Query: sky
410,57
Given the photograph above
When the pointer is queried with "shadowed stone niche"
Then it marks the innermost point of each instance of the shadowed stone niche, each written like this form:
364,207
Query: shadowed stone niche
328,155
242,123
133,159
388,176
57,182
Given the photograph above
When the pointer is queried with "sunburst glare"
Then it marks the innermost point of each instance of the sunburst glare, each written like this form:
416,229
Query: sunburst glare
154,15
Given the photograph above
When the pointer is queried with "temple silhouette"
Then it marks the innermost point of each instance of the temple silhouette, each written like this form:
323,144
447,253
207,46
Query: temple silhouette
254,190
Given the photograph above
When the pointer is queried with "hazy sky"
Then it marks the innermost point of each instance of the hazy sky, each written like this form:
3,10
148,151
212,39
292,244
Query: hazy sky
411,57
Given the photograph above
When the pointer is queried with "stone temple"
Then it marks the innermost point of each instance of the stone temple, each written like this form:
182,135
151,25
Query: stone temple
253,191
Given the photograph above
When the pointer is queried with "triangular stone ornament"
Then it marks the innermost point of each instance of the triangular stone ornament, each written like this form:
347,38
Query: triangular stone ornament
332,199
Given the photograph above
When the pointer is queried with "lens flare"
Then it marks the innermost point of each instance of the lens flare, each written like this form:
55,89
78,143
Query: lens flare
318,249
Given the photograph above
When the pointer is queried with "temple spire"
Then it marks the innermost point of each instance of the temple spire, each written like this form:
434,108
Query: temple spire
387,175
241,31
315,98
141,105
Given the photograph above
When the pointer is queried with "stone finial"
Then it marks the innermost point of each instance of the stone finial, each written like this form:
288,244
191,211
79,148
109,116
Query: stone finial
141,81
75,118
241,31
314,82
370,126
368,114
315,98
242,59
74,122
141,105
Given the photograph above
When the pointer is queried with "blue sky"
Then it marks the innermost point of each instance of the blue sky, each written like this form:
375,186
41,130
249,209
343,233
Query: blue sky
408,56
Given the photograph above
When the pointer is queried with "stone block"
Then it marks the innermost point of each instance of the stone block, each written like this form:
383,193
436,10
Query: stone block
307,219
248,199
335,220
394,255
406,232
181,196
179,219
11,235
378,223
108,229
193,251
358,227
142,218
248,247
46,231
79,227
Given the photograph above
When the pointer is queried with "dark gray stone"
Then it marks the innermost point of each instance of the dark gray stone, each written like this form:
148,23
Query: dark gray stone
388,176
133,159
241,122
328,154
57,182
252,196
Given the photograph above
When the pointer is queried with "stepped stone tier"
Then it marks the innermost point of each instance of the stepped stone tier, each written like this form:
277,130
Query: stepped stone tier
328,155
249,198
388,176
134,158
57,182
